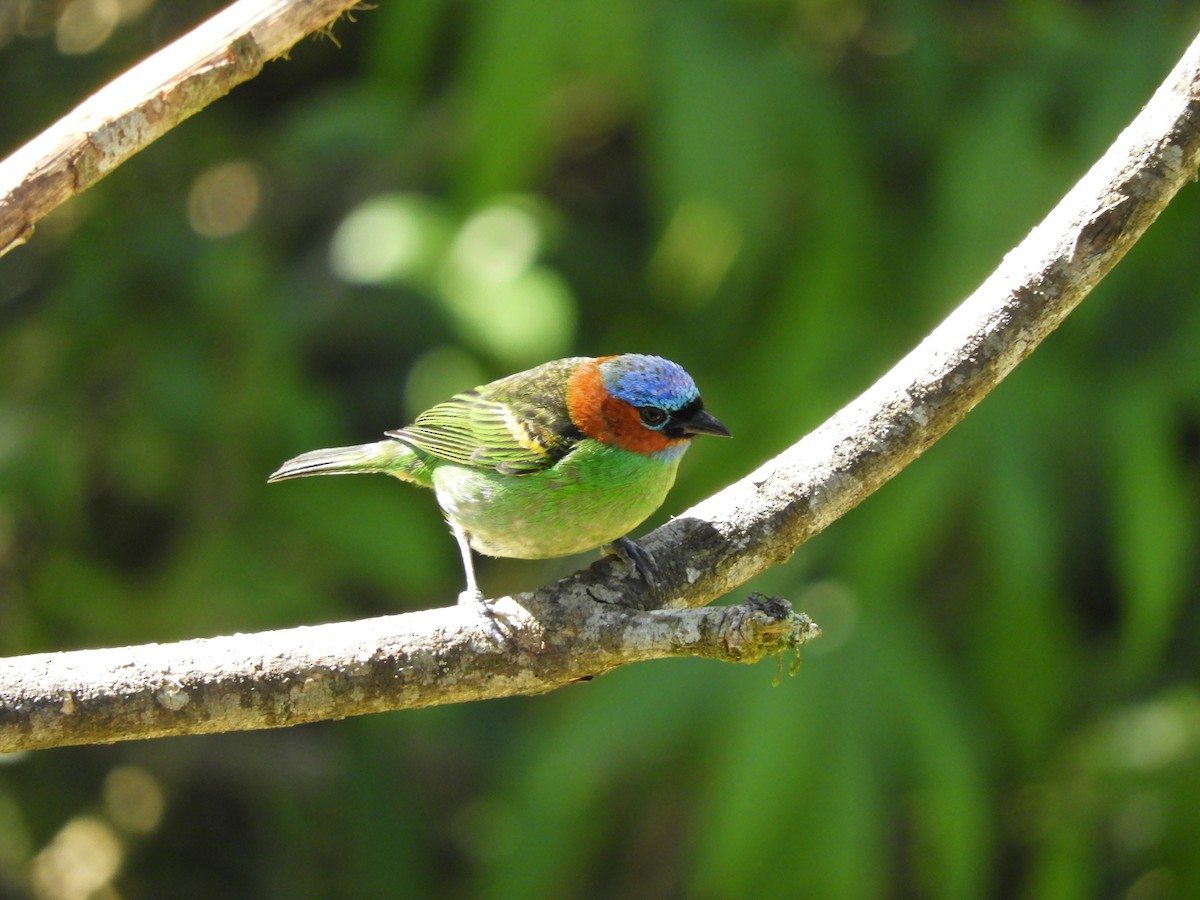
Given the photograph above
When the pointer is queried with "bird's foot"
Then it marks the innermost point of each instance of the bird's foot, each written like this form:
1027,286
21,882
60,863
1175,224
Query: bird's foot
641,560
500,634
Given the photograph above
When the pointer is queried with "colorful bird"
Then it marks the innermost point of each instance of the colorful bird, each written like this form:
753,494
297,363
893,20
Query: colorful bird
564,457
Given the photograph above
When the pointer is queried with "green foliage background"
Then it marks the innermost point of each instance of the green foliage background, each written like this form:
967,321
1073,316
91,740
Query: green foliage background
783,195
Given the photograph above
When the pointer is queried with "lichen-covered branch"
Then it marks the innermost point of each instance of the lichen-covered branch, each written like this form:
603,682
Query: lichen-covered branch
279,678
146,102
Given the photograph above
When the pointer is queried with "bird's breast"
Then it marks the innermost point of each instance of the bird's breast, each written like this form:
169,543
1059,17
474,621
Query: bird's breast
595,494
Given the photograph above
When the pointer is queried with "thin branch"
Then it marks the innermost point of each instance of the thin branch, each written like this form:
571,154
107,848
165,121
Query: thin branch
578,627
148,101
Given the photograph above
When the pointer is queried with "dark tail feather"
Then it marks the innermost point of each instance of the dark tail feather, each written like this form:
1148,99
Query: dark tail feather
383,456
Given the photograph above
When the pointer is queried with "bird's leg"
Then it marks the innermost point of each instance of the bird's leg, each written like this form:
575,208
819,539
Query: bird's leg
473,596
641,560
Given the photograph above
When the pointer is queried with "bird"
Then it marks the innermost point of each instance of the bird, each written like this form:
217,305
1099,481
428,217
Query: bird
565,457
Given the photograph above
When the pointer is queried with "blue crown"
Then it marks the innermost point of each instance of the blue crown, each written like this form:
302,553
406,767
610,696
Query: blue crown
642,380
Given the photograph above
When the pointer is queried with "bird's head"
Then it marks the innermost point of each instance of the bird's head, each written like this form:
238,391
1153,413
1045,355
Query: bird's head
642,403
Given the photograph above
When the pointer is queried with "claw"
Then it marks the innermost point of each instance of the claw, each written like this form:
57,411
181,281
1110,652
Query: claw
499,634
641,560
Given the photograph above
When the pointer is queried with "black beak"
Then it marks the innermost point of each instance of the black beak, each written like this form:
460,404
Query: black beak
701,421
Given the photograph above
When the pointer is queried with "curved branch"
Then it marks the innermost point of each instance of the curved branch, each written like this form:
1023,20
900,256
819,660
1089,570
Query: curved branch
146,102
578,627
759,521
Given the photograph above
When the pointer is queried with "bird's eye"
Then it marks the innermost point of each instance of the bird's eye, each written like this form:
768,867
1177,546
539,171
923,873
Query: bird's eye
653,417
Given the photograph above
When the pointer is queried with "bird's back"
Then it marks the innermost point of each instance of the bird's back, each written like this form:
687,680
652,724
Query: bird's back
516,425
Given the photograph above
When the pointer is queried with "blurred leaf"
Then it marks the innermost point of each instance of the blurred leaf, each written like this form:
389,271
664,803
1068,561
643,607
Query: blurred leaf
1153,526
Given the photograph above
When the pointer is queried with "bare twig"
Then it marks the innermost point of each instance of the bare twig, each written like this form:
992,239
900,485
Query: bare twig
564,633
148,101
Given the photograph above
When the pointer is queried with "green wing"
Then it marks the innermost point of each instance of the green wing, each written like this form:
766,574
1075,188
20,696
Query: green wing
490,428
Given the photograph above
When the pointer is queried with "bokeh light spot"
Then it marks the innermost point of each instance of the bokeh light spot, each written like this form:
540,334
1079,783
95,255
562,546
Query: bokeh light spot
133,799
1155,734
224,199
394,237
85,25
80,861
499,297
498,243
523,321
